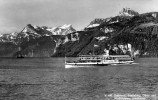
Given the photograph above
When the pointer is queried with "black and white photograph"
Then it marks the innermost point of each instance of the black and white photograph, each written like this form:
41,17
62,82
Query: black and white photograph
78,49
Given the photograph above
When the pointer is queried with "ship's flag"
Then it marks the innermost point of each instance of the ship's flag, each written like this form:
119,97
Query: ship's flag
96,45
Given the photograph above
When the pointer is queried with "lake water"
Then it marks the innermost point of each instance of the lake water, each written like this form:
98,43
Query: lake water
47,79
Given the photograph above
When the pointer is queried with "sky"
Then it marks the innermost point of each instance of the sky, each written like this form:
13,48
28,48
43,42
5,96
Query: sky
16,14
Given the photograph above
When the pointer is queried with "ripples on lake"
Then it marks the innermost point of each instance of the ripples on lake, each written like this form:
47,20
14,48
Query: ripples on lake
47,79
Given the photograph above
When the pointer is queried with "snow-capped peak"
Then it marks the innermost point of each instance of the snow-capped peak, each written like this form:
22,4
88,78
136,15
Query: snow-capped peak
65,26
61,30
35,26
30,29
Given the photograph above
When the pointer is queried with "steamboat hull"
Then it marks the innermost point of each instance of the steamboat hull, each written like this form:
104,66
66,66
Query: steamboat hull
76,65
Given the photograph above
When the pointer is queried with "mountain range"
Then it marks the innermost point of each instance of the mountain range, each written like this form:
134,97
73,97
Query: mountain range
127,31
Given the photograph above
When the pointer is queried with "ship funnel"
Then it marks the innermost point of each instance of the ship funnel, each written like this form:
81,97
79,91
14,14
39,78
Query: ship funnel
106,52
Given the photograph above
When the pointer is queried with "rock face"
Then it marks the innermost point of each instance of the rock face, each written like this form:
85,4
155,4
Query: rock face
128,12
128,33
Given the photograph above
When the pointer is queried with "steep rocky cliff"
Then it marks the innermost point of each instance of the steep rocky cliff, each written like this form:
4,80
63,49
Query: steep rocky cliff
116,34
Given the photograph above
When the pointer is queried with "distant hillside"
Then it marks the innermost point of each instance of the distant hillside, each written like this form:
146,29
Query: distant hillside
127,33
35,41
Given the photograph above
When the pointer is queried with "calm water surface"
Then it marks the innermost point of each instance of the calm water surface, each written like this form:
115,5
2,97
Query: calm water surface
47,79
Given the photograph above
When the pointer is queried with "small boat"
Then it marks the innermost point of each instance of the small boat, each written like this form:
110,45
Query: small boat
19,56
99,60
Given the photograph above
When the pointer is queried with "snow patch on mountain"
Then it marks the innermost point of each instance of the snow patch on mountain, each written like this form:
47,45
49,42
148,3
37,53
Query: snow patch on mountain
35,26
92,25
107,30
100,38
51,30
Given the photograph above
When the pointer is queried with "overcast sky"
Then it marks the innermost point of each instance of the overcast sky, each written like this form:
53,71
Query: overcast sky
16,14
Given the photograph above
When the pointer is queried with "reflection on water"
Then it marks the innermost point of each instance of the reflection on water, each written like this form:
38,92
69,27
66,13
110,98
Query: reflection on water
47,79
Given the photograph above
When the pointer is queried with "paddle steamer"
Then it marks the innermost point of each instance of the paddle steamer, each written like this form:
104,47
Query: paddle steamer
99,60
